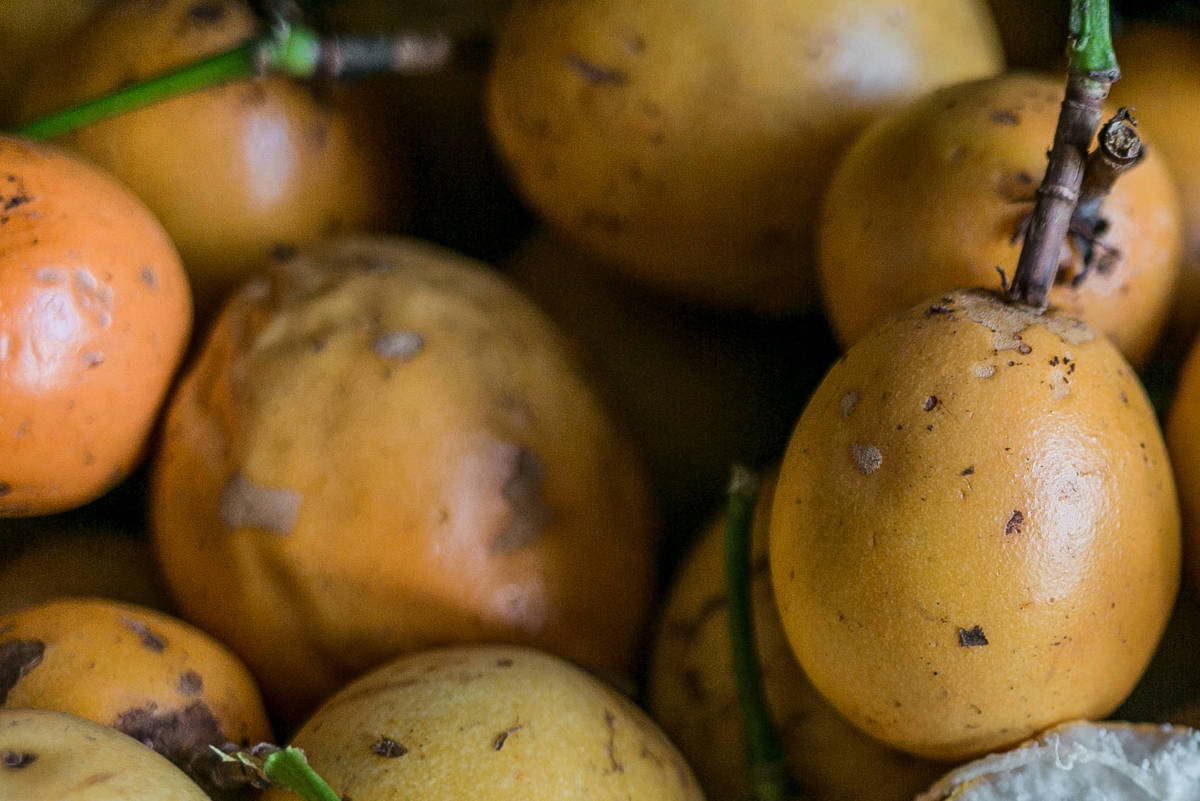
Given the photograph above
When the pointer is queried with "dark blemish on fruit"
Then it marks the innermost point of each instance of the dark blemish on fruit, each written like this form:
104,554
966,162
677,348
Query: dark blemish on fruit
5,488
149,639
190,683
970,638
15,760
17,658
504,663
929,427
635,43
148,277
502,737
97,778
183,736
245,504
522,490
594,73
968,471
867,458
1024,349
388,748
610,723
398,346
1054,361
930,403
938,308
1024,178
283,252
19,199
687,630
371,264
847,403
92,358
1005,118
1013,526
207,13
1124,397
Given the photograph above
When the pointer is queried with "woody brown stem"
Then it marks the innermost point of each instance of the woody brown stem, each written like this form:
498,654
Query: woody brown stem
1118,149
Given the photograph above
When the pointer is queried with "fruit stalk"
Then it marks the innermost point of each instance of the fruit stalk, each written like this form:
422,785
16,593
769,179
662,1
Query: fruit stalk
764,754
267,765
1092,68
286,48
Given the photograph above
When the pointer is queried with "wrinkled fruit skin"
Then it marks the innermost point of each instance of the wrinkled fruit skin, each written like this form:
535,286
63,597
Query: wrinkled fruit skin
511,723
94,316
688,142
384,446
975,533
934,198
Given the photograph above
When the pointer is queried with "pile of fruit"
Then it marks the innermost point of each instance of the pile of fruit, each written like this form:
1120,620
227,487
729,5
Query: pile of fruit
385,408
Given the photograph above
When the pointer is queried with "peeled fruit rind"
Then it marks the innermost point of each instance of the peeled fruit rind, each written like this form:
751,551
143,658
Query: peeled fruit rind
688,142
1109,761
975,532
59,757
384,446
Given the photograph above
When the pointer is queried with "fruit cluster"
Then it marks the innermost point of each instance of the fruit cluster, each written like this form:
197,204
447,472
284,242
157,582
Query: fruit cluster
381,414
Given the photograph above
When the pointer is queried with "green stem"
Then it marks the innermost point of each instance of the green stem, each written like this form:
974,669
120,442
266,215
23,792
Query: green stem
287,49
267,765
1091,46
764,752
288,768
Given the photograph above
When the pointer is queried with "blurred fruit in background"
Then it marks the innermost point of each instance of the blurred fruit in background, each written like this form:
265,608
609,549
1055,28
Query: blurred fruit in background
937,196
234,171
1034,32
688,143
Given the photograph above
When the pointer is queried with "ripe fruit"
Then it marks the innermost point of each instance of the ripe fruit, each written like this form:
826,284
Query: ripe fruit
142,672
449,723
694,698
94,316
688,141
233,171
57,757
1159,65
1182,426
934,198
975,533
384,446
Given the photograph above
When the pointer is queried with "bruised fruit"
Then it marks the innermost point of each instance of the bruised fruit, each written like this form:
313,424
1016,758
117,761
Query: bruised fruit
975,533
688,142
144,673
94,317
694,697
510,723
51,756
936,197
1159,65
384,446
233,171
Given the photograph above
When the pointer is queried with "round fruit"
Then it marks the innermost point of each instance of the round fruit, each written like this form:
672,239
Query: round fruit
1159,65
144,673
94,316
975,533
936,197
384,446
694,697
689,141
49,756
1111,761
234,171
1183,424
441,725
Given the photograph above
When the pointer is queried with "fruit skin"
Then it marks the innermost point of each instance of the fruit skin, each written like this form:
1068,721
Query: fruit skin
930,198
689,141
1159,64
442,724
78,760
384,446
137,670
1183,423
694,698
233,171
94,315
974,472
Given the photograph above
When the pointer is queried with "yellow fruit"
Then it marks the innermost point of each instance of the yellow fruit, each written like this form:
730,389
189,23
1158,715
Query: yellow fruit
975,533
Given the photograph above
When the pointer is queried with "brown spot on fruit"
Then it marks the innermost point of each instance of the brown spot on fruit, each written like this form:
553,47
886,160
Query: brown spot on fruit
1004,117
17,658
610,723
930,403
867,458
522,490
399,346
594,73
190,683
183,736
848,402
149,639
972,637
1013,526
502,737
15,760
208,12
388,748
968,471
246,504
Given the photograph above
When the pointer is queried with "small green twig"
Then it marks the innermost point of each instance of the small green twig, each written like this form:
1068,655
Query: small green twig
765,762
285,49
267,765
